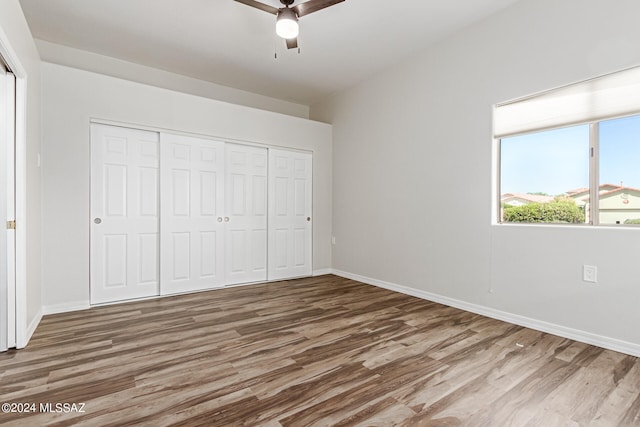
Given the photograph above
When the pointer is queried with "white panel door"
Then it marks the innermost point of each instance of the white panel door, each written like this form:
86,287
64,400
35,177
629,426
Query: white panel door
124,213
246,214
7,210
290,243
192,211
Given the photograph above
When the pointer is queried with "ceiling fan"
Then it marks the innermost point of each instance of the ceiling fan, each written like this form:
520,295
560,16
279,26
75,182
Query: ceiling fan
287,17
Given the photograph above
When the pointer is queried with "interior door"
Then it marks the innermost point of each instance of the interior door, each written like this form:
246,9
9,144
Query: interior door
290,207
7,210
192,214
124,213
246,214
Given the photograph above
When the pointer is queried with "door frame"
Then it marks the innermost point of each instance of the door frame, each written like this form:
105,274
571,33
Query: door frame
7,213
23,330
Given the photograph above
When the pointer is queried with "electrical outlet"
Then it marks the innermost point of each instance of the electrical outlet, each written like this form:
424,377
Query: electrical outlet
333,240
590,273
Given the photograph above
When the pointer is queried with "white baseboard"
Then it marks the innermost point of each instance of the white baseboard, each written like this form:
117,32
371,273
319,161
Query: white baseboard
30,330
66,307
322,272
539,325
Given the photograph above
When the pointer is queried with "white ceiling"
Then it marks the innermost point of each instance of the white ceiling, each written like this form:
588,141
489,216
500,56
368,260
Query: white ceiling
231,44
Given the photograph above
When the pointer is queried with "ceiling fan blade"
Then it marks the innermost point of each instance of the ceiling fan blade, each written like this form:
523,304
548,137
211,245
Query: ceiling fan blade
261,6
292,43
313,6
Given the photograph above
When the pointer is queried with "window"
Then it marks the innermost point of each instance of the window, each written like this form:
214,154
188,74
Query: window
540,170
572,155
619,171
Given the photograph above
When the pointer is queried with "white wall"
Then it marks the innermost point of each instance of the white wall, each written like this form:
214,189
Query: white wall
72,97
20,42
89,61
413,175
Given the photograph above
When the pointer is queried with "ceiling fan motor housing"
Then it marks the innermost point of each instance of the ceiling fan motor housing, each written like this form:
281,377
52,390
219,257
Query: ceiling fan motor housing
287,17
287,23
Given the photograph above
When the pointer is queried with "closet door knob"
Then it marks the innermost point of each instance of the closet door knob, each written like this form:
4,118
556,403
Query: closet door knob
97,220
226,219
219,219
308,219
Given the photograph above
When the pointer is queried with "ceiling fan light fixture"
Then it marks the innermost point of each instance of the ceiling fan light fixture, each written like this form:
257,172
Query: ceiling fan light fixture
287,24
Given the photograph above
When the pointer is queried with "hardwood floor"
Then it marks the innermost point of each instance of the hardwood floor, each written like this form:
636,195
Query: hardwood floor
323,351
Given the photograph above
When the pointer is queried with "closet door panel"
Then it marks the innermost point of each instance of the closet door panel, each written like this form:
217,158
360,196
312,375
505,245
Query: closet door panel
124,214
191,225
179,214
246,219
290,209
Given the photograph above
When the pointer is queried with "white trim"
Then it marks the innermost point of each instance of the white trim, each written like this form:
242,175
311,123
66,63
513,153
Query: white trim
137,126
23,331
66,307
321,272
30,330
10,211
539,325
7,283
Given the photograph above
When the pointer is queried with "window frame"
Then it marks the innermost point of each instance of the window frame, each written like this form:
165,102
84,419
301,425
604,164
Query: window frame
593,207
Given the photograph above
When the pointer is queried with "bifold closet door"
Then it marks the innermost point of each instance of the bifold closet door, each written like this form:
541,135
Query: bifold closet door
246,213
124,214
192,214
290,207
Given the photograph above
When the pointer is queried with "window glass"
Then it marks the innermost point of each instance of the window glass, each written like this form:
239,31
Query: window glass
619,167
544,176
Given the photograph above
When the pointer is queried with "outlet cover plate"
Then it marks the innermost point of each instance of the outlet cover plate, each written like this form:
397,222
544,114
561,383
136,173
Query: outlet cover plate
590,273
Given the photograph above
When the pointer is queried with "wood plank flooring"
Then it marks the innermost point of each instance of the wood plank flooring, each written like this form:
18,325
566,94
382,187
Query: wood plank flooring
322,351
